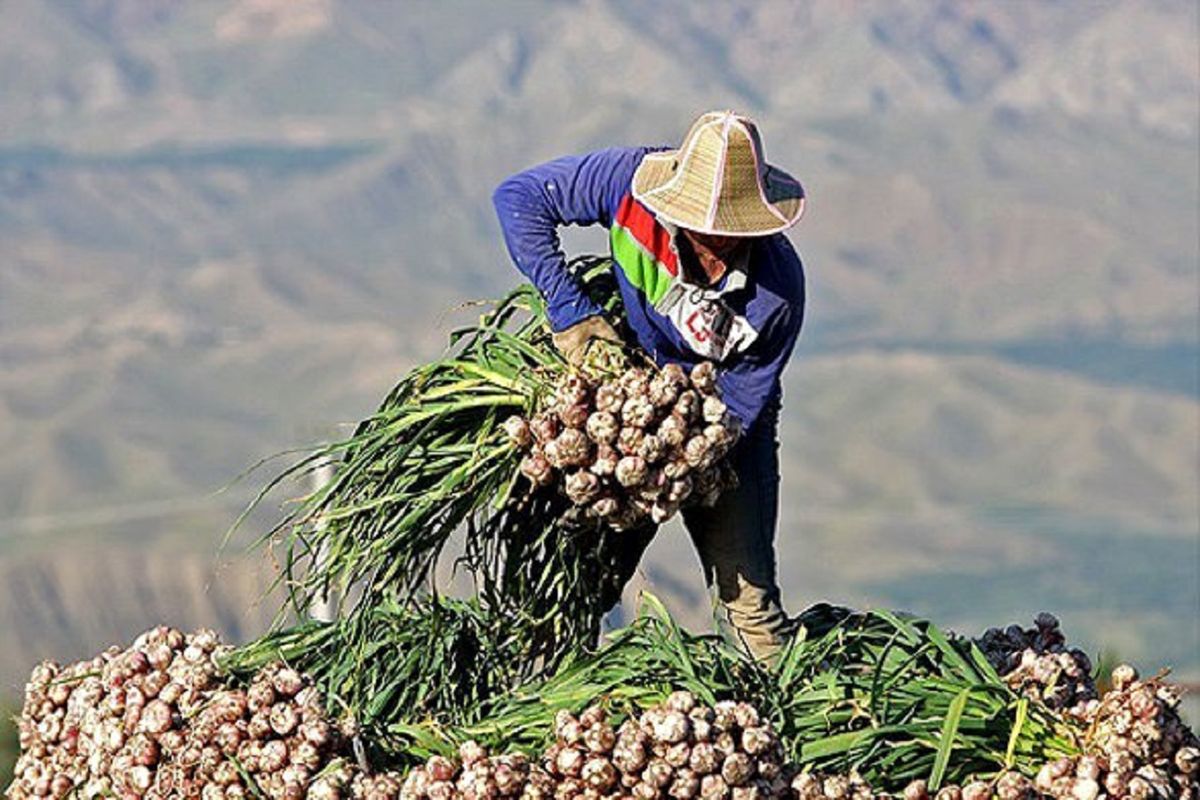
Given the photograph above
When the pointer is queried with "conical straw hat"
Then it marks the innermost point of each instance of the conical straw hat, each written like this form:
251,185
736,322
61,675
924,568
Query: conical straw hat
718,181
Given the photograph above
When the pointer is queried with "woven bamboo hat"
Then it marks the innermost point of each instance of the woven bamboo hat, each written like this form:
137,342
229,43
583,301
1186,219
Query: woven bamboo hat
718,181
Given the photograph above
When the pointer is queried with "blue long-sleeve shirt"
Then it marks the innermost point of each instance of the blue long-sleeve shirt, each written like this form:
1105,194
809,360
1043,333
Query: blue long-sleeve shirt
747,324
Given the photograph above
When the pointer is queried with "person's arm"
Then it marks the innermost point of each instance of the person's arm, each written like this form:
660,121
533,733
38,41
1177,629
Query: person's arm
750,383
574,190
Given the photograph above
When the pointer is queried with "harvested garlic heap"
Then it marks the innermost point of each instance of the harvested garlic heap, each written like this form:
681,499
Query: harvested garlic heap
155,721
631,449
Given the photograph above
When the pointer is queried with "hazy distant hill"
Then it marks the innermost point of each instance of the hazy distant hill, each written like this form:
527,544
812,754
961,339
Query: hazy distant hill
229,226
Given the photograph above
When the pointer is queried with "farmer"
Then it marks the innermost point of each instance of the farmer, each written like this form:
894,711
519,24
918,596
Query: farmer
705,272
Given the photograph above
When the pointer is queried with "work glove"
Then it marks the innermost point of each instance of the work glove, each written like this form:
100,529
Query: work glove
573,342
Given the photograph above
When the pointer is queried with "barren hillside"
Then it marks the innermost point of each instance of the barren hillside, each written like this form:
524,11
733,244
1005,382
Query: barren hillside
229,226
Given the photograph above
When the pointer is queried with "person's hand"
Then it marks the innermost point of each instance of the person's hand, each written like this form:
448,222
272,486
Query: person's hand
573,342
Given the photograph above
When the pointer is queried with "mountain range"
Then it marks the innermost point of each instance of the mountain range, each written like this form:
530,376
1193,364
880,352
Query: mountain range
228,227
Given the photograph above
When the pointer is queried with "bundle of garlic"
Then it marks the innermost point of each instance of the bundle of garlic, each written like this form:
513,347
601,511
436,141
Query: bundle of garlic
1005,786
1137,747
274,734
1037,663
476,776
681,749
156,721
631,449
816,786
104,726
378,786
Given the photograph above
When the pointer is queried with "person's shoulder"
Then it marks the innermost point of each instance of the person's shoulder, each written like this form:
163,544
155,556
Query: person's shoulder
783,249
624,161
612,169
786,273
623,154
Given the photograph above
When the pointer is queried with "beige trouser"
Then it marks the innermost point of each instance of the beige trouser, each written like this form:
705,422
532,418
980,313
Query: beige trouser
736,543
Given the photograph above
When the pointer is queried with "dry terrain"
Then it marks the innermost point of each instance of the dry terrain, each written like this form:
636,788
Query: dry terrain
228,227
